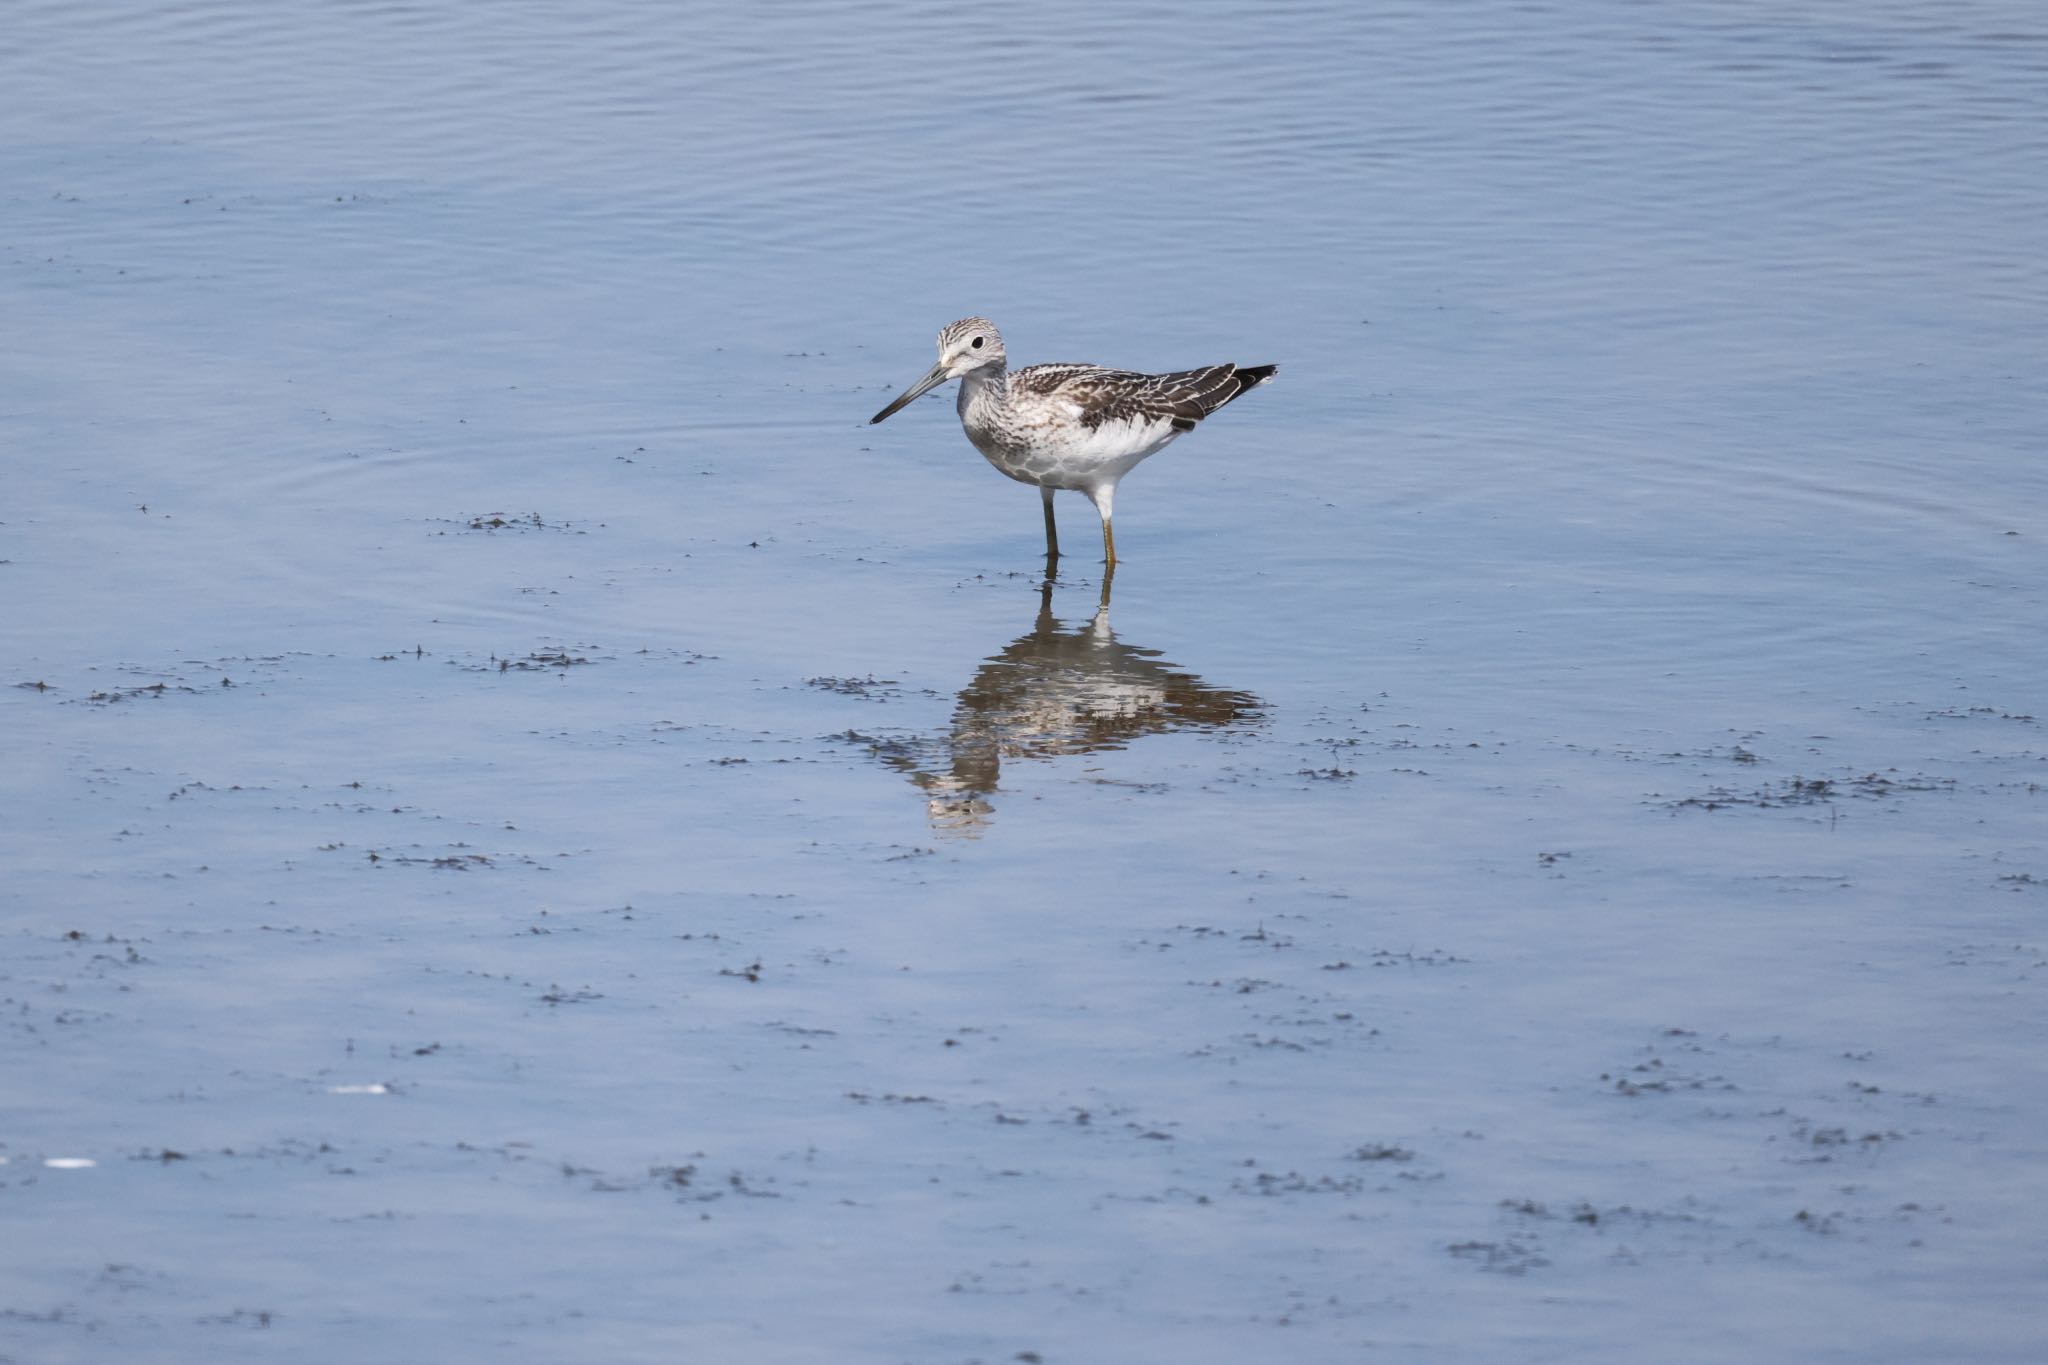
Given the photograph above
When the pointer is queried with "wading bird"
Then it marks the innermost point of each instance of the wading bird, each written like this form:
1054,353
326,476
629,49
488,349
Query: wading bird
1070,426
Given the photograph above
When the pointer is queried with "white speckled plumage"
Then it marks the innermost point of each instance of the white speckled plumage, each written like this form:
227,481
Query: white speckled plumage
1068,426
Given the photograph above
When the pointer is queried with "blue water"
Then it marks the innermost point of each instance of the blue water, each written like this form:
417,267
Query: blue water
1614,639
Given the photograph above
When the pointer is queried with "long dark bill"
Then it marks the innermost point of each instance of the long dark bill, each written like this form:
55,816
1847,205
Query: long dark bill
933,378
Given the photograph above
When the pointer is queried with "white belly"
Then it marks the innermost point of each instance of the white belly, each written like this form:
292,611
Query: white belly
1069,455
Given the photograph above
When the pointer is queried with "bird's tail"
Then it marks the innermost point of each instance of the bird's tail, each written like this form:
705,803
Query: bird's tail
1249,377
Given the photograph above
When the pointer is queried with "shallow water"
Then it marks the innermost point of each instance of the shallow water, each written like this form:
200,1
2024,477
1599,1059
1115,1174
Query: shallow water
531,825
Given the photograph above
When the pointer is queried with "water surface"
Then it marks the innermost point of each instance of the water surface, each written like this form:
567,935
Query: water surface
530,828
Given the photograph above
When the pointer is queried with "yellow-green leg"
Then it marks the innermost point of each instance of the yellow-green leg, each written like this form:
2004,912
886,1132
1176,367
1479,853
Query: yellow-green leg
1052,530
1102,497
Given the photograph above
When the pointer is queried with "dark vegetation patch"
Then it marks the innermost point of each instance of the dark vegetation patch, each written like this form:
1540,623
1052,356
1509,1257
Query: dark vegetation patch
148,691
1810,791
509,523
542,660
869,688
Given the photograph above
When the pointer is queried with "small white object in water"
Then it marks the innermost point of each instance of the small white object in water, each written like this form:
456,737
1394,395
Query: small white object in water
69,1163
374,1088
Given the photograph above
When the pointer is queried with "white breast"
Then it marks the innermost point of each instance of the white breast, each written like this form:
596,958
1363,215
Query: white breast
1042,440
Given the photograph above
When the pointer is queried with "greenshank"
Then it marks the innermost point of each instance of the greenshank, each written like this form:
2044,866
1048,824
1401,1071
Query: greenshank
1080,427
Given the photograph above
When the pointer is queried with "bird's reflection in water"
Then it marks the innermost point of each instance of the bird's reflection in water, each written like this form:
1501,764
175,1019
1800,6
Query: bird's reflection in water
1054,690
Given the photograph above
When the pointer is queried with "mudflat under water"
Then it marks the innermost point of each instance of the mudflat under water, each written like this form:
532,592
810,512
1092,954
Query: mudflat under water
532,832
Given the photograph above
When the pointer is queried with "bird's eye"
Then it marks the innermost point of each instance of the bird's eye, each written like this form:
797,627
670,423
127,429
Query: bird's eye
978,341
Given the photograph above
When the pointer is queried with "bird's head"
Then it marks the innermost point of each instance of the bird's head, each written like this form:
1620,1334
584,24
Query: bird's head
964,347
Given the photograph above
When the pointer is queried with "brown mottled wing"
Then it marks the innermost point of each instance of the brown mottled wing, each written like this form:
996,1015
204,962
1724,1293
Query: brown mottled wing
1182,398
